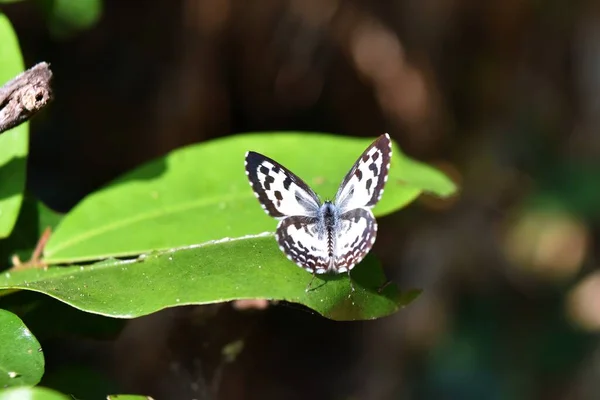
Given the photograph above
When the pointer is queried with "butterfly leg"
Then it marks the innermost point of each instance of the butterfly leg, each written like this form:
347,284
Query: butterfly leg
351,284
308,287
386,284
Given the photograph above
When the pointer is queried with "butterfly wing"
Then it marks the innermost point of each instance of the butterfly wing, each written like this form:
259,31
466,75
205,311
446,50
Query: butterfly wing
304,243
279,191
356,233
363,184
301,239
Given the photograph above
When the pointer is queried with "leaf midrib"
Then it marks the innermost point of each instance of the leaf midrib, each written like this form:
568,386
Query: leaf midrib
61,272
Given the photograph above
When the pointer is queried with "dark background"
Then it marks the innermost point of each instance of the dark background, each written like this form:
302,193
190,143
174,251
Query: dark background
501,95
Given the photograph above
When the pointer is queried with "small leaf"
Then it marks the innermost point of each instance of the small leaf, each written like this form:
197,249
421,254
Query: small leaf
66,17
201,193
14,142
21,359
34,393
244,268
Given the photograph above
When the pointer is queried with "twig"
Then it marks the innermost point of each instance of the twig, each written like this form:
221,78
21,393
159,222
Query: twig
35,260
24,95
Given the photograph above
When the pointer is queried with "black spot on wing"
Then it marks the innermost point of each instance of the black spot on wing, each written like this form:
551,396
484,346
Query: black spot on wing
373,167
358,174
268,180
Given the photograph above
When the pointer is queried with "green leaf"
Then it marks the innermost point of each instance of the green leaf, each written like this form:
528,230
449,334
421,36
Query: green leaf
34,393
14,142
201,193
244,268
21,359
67,17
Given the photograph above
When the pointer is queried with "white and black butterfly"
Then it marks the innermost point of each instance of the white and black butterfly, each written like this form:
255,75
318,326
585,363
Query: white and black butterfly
330,236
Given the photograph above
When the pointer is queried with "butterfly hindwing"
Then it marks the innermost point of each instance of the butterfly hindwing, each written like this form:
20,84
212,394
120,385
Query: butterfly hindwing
363,184
280,192
304,243
354,239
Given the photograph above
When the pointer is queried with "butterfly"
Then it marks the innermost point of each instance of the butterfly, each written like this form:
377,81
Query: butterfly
328,237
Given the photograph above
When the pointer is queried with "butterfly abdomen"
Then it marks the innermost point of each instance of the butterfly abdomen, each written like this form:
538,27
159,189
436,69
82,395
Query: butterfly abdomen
330,220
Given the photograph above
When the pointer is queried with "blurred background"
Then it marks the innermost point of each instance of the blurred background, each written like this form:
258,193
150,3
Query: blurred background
504,96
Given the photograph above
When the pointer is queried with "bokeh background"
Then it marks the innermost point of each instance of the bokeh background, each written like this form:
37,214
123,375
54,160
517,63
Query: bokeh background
504,96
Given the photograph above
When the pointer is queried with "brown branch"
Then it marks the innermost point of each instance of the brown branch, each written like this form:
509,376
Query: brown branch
35,261
24,95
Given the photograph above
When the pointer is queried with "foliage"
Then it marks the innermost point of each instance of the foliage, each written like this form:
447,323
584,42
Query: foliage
182,229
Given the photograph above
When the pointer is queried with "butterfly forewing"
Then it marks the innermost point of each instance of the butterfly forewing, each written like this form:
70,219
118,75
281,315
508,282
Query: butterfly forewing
363,184
279,191
354,239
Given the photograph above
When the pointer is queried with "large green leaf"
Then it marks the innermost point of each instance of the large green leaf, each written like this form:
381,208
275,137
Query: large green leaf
244,268
34,393
14,142
201,193
21,359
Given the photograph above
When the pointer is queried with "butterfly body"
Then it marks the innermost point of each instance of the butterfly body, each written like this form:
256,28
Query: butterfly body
327,224
332,236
